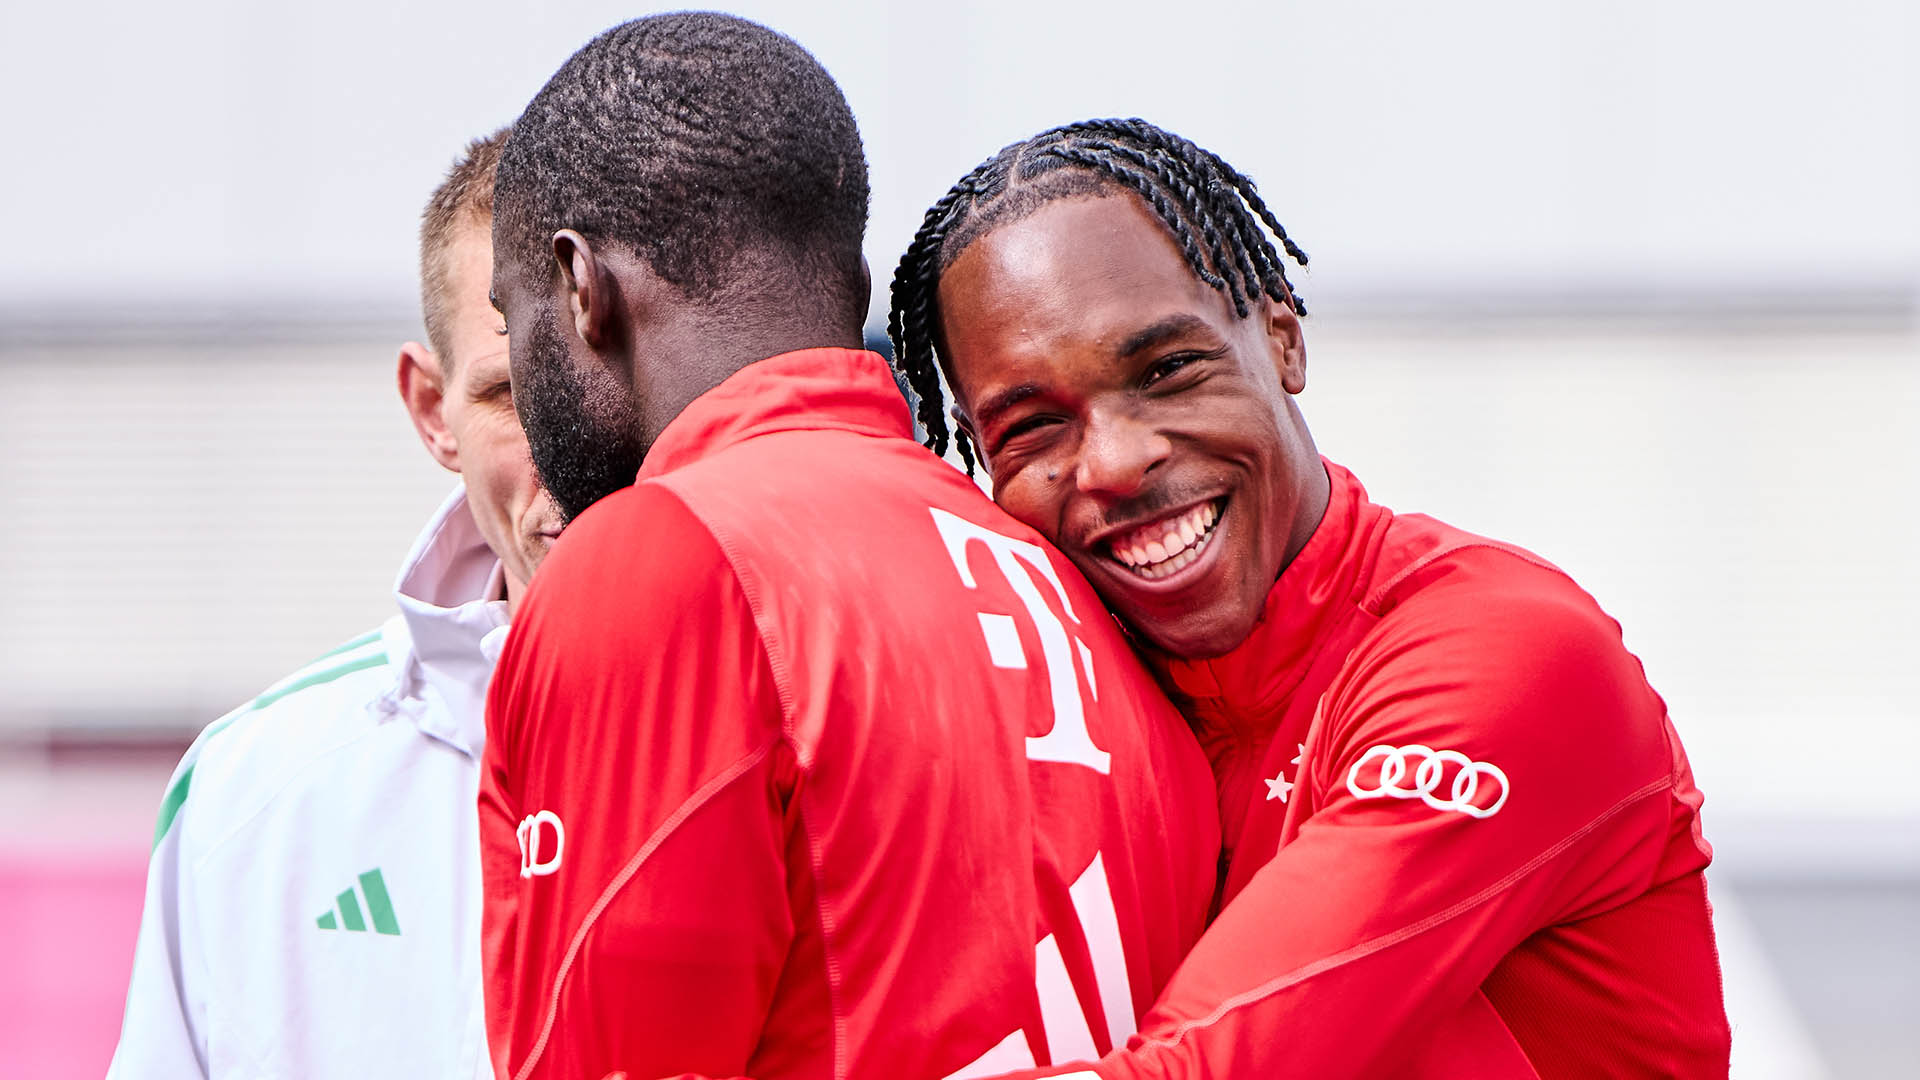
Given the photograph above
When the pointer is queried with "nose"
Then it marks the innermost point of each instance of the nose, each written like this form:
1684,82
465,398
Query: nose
1117,452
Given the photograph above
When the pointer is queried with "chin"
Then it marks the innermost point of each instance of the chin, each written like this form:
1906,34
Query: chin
1194,601
1211,617
1192,639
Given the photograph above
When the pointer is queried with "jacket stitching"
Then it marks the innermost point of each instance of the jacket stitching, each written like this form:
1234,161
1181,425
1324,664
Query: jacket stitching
1379,595
789,723
1395,937
294,777
674,820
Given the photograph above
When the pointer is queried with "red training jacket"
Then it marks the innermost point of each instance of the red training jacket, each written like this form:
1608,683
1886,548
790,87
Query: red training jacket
1463,837
805,760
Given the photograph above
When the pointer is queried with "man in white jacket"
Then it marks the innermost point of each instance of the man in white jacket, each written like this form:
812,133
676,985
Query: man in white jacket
313,900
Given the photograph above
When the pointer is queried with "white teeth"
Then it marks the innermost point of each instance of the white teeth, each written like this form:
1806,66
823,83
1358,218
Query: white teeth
1177,544
1175,564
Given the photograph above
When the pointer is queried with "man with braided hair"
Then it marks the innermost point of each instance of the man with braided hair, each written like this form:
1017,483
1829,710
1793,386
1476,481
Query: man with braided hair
1461,835
804,759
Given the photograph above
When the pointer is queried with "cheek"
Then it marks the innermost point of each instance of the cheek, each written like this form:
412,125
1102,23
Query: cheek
1233,427
1030,501
496,449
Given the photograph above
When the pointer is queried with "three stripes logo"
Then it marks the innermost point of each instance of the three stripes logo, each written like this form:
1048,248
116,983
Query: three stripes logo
379,907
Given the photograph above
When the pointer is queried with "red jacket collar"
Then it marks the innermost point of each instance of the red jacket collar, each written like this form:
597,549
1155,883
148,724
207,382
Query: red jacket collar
808,390
1310,595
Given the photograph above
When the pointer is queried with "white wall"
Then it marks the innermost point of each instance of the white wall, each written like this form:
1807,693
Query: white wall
227,153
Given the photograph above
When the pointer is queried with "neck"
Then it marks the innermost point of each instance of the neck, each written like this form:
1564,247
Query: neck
727,349
710,354
676,346
1314,490
1316,493
515,589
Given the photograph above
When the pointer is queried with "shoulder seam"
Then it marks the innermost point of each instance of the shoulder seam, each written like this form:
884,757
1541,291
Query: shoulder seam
350,652
1371,604
287,782
829,933
776,660
318,678
681,813
348,645
176,796
1394,937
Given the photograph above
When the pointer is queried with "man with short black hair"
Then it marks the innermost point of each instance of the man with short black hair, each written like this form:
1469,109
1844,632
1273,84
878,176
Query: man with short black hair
804,759
313,898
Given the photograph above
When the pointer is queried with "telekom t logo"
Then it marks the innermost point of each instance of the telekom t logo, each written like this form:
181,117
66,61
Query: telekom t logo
1067,1026
1068,741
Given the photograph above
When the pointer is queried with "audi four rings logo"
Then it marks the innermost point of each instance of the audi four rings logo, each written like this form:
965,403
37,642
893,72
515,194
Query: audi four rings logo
1463,795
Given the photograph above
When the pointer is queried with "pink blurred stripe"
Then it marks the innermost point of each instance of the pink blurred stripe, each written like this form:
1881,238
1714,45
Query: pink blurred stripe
67,929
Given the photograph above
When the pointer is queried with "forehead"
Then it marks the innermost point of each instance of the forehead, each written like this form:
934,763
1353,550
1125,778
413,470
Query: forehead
1079,275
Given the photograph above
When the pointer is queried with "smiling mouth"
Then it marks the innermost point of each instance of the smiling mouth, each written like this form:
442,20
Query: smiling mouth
1160,548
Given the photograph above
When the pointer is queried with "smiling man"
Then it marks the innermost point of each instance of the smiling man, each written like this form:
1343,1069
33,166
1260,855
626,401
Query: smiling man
313,899
1462,836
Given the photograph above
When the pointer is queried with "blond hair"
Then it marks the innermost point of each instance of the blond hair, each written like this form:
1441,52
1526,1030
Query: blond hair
464,198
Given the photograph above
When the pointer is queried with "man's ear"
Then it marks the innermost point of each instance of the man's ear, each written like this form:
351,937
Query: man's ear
591,292
423,391
1287,345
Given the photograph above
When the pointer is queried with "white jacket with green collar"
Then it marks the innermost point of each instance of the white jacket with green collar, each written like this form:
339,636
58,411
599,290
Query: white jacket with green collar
313,899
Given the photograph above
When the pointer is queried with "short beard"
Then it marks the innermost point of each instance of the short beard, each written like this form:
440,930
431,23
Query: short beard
583,435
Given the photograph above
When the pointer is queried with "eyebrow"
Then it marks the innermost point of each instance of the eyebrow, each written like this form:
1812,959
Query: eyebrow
1173,326
1002,401
1167,329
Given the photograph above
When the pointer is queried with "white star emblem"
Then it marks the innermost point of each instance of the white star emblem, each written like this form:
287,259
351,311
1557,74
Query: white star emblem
1280,787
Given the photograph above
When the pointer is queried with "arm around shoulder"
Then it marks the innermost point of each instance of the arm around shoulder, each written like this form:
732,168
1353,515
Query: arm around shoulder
1483,767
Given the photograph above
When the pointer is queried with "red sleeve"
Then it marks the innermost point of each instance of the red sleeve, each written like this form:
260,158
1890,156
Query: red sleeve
1372,931
499,883
634,809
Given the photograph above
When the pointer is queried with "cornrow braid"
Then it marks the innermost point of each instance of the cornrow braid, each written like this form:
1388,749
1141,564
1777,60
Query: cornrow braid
1162,139
910,318
1163,204
1213,212
1181,182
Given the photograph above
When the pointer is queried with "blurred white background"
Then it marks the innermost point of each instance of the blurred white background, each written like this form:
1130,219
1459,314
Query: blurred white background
1633,284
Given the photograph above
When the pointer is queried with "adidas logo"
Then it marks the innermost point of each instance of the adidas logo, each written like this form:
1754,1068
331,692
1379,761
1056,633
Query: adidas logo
379,907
